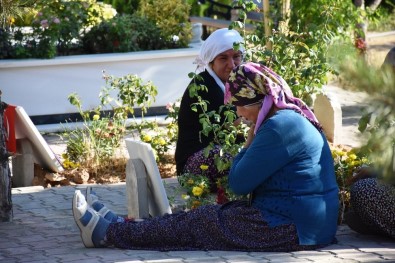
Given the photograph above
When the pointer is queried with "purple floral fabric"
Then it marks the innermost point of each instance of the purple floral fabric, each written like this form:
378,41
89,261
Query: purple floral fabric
251,82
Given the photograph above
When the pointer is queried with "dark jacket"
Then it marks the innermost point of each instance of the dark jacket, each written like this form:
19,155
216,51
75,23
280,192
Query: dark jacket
188,141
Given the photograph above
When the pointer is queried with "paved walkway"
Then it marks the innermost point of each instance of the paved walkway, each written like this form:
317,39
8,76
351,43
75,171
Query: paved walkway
43,229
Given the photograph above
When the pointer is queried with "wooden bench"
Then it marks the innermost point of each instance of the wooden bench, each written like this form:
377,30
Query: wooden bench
216,23
219,15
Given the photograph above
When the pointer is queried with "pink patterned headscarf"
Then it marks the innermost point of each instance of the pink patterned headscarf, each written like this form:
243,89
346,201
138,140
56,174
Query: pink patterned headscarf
251,82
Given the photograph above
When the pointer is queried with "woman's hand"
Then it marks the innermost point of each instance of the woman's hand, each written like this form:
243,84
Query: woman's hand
241,120
238,121
250,136
363,173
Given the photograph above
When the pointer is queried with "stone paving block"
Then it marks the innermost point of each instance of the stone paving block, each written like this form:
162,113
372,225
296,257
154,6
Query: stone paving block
377,250
20,250
309,253
389,255
335,260
69,239
355,255
219,252
6,243
27,189
43,223
32,261
73,257
208,260
191,254
285,259
45,244
164,261
145,253
61,250
31,238
239,258
313,255
36,257
91,260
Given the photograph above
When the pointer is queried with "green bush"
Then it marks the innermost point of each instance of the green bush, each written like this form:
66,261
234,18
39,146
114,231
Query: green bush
382,19
123,33
85,26
124,6
56,27
300,49
96,143
171,17
5,44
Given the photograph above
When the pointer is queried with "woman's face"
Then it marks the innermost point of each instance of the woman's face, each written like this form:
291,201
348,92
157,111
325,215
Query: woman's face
223,64
249,112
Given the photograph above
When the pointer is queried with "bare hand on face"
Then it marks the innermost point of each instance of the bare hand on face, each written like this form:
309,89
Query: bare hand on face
238,121
241,120
250,136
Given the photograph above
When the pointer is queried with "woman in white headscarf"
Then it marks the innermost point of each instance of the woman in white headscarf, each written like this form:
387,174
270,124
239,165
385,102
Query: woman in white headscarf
217,57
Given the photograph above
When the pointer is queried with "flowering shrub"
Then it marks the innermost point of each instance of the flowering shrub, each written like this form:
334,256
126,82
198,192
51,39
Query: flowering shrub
346,161
197,190
161,139
96,144
66,27
361,46
56,28
173,109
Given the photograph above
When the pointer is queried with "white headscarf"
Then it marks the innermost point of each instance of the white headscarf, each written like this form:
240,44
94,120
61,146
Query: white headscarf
219,41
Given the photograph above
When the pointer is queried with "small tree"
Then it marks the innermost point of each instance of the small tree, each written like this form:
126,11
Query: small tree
378,124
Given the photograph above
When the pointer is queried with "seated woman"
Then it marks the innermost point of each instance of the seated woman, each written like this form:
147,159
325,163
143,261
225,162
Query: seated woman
217,57
286,165
372,200
372,205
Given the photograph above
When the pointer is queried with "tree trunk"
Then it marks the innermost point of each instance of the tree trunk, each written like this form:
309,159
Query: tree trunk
373,5
286,12
361,30
267,23
5,173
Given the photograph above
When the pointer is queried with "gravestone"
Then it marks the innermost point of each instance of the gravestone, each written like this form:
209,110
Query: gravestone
329,113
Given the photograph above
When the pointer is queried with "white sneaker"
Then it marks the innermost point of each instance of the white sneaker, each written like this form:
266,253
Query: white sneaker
93,227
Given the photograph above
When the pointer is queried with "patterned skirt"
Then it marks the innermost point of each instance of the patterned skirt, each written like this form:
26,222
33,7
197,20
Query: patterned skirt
195,161
233,226
373,203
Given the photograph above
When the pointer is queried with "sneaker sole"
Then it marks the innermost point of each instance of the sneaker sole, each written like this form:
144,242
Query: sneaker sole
86,237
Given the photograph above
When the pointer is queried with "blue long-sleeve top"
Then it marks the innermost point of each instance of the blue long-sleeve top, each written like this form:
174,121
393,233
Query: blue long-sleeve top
290,171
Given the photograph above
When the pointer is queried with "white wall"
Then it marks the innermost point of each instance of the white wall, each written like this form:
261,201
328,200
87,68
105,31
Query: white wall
41,87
